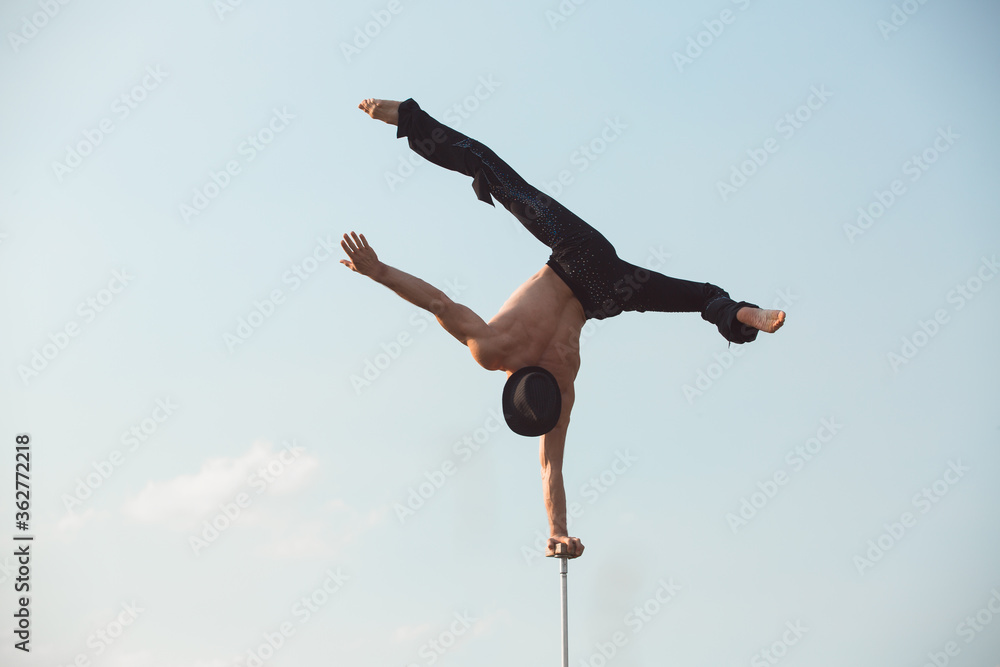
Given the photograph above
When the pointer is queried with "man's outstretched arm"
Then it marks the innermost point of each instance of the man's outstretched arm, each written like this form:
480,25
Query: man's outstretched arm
458,320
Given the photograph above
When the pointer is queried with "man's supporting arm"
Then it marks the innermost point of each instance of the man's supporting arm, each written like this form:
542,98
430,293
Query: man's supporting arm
550,456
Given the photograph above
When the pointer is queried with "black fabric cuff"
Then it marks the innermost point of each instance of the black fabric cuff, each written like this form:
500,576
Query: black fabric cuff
406,111
721,312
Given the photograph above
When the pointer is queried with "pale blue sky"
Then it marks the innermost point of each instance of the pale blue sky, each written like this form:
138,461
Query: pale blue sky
683,426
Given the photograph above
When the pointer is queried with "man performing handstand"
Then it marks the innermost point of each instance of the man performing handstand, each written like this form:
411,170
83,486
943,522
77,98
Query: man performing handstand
535,336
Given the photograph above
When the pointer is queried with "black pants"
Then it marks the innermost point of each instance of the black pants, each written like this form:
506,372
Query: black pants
605,284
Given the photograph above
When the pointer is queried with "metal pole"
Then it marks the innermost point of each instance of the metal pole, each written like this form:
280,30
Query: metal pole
563,567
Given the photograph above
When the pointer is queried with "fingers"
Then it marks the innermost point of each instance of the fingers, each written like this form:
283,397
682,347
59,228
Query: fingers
550,546
354,242
351,244
573,547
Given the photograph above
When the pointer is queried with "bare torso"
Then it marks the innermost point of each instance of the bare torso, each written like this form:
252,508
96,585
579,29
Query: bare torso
539,325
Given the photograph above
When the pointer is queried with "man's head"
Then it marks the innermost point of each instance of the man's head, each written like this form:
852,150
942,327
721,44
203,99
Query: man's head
532,401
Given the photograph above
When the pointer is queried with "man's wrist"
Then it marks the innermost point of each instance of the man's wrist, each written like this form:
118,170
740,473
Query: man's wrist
379,272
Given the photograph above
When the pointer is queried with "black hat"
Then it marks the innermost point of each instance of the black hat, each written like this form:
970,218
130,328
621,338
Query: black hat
531,401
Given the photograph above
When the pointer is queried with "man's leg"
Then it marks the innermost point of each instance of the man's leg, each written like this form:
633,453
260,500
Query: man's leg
582,257
546,219
579,252
641,290
615,286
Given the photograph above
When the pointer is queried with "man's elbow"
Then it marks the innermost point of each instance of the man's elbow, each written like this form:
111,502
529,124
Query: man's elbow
441,306
447,312
455,318
551,471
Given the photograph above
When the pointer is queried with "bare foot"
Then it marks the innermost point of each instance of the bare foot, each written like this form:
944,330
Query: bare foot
386,111
767,321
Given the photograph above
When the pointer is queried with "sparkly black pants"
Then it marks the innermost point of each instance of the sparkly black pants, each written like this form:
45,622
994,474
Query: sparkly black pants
605,284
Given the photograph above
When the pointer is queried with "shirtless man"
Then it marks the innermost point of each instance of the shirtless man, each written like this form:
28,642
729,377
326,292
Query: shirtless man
540,324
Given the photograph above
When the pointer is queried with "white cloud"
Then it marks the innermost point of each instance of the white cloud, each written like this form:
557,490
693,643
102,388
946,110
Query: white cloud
288,475
182,502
